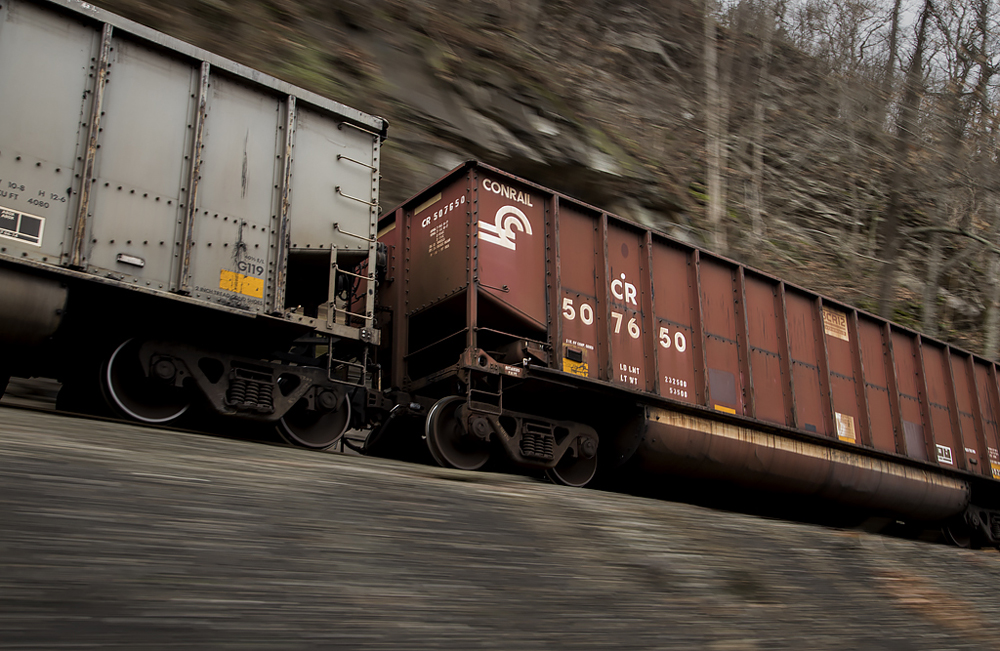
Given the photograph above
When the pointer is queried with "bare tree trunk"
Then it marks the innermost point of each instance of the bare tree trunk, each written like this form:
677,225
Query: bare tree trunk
856,209
929,321
900,175
714,133
890,64
880,112
991,325
991,339
985,177
763,92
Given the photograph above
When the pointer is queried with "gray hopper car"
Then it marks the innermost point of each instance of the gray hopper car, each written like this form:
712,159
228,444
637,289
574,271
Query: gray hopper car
179,229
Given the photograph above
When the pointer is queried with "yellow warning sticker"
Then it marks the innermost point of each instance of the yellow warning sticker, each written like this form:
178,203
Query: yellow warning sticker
247,285
845,427
576,368
727,410
835,324
996,469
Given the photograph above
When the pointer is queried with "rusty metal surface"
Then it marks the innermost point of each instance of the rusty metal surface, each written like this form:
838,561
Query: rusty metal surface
435,261
910,407
763,307
805,352
860,388
830,422
706,449
77,256
283,236
743,342
874,355
725,381
785,350
675,296
847,412
948,447
989,393
510,226
602,279
673,325
579,318
626,339
194,178
960,399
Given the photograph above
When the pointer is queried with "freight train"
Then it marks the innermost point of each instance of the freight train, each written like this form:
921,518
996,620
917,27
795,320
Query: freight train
182,238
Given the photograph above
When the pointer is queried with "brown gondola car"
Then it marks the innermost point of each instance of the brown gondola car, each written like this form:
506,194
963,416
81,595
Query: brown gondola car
574,340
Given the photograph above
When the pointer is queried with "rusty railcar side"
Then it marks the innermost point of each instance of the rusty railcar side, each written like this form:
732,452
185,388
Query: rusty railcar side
682,362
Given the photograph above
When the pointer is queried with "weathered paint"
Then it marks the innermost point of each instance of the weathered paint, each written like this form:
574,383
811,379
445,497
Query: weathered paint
677,327
698,447
510,225
577,315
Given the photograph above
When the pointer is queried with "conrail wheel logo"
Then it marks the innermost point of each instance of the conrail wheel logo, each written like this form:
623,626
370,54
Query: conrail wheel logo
509,219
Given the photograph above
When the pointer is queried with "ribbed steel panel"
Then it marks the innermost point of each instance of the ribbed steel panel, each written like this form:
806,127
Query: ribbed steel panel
763,367
142,161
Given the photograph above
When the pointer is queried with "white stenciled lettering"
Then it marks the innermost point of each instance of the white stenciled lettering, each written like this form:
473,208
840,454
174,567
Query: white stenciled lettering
629,374
441,212
624,290
508,220
507,192
586,311
439,239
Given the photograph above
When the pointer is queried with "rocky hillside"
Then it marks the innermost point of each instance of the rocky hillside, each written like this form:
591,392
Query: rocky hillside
601,100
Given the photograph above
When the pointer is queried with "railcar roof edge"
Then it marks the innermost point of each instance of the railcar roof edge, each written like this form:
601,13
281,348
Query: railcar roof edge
378,125
660,233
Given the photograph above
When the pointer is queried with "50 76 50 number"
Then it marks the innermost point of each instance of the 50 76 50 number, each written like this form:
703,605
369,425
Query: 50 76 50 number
677,340
569,311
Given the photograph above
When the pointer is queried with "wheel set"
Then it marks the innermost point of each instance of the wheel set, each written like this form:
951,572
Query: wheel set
455,441
318,428
155,396
450,442
138,395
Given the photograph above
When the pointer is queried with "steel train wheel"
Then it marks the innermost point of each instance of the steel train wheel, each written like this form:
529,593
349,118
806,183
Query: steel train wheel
959,534
129,390
448,442
573,470
315,429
